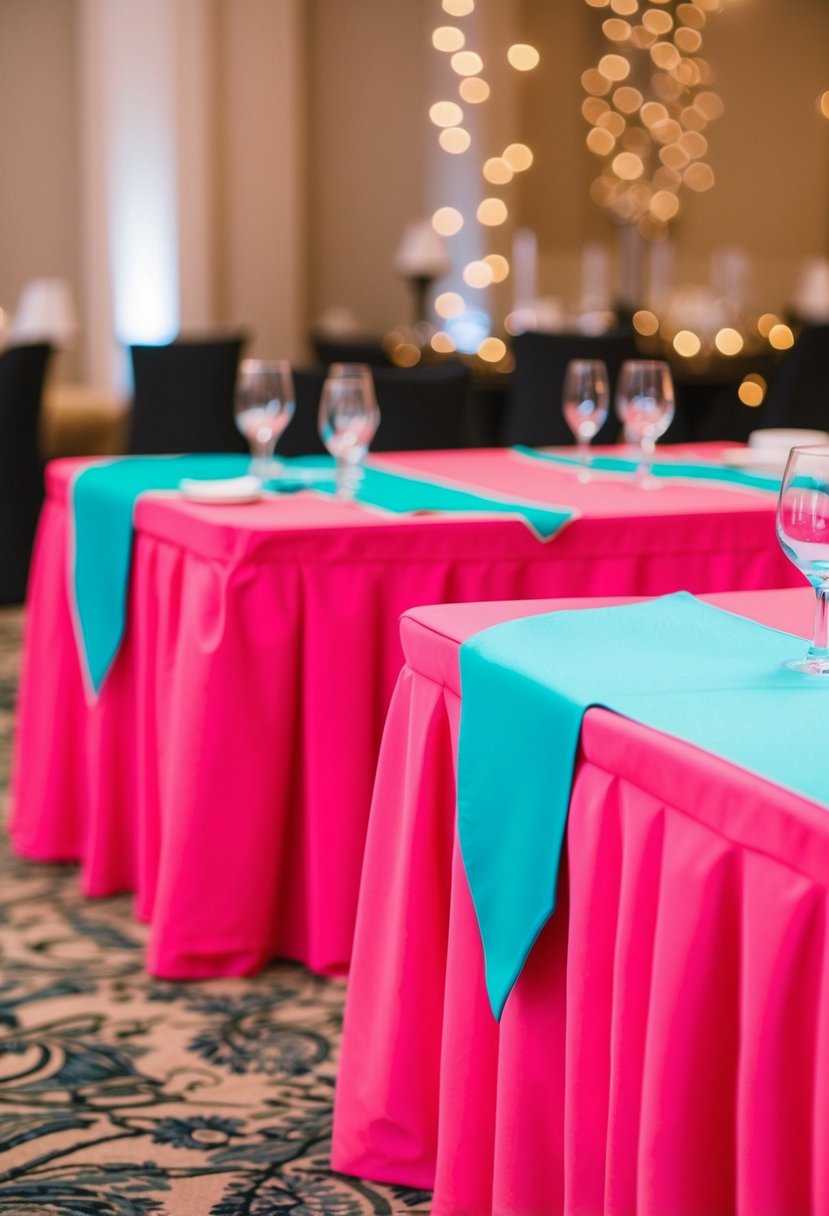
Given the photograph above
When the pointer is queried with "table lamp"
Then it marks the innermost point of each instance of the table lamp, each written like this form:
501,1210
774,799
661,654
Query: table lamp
45,313
421,258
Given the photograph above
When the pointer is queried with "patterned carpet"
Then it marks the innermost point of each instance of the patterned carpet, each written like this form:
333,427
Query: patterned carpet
122,1095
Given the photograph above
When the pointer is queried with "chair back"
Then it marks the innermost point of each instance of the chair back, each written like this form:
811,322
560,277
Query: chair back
183,396
329,350
22,373
799,395
301,436
533,415
420,408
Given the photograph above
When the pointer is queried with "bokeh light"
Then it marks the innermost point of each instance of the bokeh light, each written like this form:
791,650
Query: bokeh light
781,337
627,99
477,274
446,114
492,211
467,63
498,265
448,38
614,67
523,57
645,323
599,141
728,341
519,156
449,304
406,354
492,350
498,170
752,390
441,342
687,344
446,221
458,8
474,90
628,166
454,139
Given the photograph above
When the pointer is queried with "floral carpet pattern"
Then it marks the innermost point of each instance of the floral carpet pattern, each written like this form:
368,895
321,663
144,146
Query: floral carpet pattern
121,1095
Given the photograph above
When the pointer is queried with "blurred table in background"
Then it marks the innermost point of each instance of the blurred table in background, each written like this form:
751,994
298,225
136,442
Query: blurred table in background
81,420
664,1048
224,772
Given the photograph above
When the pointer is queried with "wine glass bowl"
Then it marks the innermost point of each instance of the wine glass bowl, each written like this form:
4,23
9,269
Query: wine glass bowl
645,407
263,407
348,418
584,402
803,533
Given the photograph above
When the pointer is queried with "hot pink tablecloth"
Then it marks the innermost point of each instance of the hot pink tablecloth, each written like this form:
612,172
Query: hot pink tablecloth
225,772
665,1051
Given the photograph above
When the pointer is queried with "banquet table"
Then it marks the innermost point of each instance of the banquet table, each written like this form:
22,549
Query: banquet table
665,1050
224,772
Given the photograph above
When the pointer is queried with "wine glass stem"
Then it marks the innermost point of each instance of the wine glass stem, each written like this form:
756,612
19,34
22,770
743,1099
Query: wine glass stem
583,450
820,644
646,449
259,462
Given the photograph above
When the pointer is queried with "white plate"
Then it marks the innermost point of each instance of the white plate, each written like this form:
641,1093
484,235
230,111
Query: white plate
771,461
784,438
229,489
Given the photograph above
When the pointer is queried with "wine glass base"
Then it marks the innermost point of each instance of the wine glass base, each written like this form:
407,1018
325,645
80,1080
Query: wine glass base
810,665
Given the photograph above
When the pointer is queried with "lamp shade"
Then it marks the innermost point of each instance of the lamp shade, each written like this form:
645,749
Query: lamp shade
45,313
421,253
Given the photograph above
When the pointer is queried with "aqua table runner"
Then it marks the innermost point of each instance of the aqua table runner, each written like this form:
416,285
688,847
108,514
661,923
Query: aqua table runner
103,499
676,664
693,470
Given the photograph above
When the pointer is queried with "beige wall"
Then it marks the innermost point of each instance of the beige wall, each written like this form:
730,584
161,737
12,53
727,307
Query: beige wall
322,151
39,187
366,67
260,160
769,151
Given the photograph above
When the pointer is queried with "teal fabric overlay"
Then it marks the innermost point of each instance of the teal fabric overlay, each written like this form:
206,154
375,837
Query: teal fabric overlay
404,493
676,664
688,469
103,502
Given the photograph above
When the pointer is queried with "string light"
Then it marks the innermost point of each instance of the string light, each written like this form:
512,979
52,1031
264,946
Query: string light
648,104
466,326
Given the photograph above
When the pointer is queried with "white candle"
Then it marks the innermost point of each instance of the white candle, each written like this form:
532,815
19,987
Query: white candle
524,269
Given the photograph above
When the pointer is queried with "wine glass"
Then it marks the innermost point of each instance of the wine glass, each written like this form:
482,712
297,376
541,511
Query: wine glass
348,418
264,406
584,402
645,406
803,532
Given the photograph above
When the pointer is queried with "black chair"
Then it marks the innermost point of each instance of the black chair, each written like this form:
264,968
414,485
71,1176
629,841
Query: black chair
799,396
301,436
329,350
420,408
533,415
183,396
22,373
708,405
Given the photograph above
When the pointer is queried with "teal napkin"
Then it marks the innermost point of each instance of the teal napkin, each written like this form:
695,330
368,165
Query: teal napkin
404,493
676,664
696,470
103,500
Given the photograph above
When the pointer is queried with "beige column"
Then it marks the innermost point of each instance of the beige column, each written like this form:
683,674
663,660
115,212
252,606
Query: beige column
260,172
